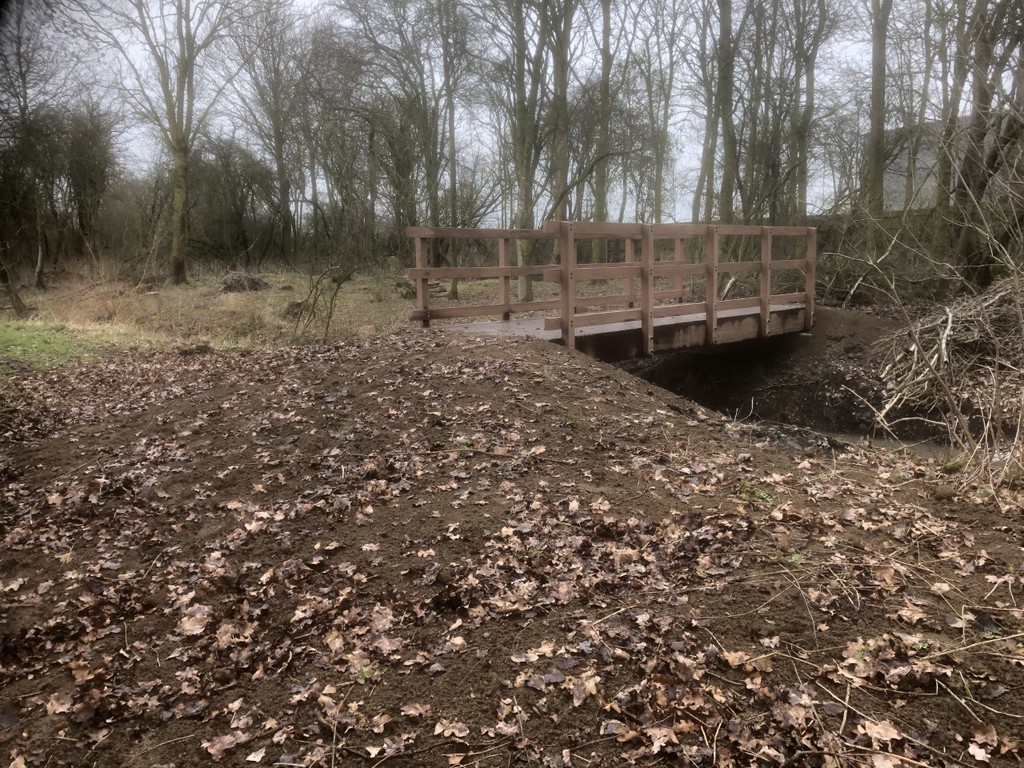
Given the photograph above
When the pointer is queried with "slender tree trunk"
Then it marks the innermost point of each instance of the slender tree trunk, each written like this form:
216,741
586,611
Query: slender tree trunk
952,94
561,41
40,281
453,161
875,181
179,213
725,106
284,198
599,246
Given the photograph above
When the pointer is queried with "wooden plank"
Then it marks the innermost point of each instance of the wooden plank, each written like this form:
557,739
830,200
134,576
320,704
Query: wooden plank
474,273
647,289
671,268
766,281
738,267
788,298
738,230
711,285
796,264
812,251
738,329
567,255
590,319
789,231
673,295
461,233
678,231
745,303
630,258
679,310
609,230
479,310
608,272
601,301
422,285
505,285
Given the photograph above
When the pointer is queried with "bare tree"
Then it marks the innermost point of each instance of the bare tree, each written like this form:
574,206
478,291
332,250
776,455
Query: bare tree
266,95
34,94
165,50
875,170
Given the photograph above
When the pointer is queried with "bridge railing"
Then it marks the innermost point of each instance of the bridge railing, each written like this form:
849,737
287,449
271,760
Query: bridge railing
507,241
667,270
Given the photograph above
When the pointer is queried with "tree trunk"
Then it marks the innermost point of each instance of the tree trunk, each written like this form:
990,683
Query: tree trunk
284,201
599,246
561,41
875,177
40,281
725,106
952,95
179,213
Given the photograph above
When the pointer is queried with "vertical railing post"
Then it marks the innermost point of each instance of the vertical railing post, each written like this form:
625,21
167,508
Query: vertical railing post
766,280
647,287
504,281
711,285
423,284
567,248
812,248
677,281
630,258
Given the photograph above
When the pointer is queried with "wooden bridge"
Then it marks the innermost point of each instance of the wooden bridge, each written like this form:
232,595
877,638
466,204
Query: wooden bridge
621,290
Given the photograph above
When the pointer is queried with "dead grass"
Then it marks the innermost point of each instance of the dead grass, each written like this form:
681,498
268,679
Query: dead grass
92,316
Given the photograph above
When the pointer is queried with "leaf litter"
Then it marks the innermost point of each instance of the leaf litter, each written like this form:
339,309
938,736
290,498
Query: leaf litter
434,550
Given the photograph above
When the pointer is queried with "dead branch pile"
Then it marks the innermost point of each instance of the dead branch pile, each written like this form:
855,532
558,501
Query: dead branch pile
242,282
965,364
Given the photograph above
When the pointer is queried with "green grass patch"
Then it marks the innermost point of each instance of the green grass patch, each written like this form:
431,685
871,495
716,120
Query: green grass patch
36,344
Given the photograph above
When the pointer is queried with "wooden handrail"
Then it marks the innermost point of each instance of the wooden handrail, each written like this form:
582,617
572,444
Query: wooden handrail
639,263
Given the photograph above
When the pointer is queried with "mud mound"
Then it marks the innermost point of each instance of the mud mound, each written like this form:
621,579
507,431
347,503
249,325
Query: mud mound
429,550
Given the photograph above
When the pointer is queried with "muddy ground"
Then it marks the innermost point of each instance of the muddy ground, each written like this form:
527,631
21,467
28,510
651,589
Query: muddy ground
430,550
827,380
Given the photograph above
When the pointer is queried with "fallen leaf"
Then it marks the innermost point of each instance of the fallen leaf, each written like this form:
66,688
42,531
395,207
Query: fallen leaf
195,620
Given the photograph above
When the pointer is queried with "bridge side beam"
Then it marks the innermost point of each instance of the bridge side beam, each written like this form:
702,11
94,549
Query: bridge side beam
567,246
766,280
647,288
812,249
711,247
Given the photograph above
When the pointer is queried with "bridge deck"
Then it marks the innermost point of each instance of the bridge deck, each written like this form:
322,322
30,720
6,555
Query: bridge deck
661,315
624,340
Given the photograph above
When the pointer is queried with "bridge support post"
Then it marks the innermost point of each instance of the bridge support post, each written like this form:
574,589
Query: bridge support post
647,287
567,246
504,281
711,285
629,257
766,281
812,249
423,284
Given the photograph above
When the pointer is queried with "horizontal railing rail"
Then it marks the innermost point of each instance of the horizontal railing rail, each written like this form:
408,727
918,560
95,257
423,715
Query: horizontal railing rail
640,264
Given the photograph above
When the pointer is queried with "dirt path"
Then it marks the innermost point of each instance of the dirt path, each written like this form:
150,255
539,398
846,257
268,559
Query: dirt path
429,550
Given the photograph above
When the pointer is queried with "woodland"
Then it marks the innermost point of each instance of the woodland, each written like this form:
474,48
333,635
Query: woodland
251,517
150,136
